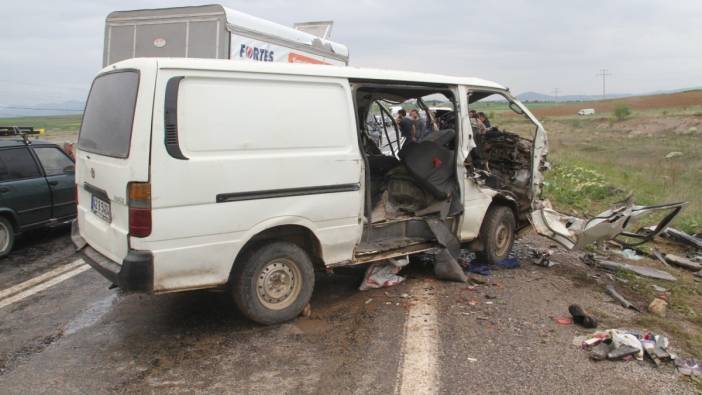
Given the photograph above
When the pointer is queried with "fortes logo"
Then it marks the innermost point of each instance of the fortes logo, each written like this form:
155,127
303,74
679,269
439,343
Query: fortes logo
255,53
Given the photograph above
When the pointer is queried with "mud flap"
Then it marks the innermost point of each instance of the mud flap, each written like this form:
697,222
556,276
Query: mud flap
614,223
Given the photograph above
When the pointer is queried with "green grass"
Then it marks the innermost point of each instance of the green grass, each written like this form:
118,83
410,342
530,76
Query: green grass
58,124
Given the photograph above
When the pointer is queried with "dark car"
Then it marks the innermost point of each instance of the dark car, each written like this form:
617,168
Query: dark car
37,188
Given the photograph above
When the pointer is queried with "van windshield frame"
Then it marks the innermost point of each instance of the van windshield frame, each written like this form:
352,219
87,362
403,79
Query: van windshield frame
108,119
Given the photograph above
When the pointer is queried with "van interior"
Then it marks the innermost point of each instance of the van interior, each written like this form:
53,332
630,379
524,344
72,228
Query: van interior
410,183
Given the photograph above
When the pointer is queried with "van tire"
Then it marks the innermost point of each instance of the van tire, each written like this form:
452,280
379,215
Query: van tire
273,282
7,237
497,234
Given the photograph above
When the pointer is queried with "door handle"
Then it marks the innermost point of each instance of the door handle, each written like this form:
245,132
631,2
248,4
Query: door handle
4,189
53,183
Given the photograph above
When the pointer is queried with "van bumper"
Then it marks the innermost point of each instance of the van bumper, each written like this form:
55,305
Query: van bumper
136,273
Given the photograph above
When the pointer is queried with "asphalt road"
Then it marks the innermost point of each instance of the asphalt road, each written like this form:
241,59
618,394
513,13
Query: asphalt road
423,336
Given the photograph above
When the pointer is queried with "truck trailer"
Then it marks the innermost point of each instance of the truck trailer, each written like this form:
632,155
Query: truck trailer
216,32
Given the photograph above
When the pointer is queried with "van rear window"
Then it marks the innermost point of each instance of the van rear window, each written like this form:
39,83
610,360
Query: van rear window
109,114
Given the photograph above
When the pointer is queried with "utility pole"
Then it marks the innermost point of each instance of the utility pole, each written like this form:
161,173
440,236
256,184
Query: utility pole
555,93
604,73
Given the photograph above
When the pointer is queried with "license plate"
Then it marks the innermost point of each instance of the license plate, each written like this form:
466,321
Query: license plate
101,208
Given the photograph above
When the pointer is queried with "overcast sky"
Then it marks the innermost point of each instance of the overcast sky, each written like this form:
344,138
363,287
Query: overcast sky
51,49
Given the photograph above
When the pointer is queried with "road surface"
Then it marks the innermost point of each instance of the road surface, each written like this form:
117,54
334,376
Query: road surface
68,332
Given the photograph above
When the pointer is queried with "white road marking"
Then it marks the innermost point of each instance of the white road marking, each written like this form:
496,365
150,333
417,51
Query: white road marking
419,368
41,278
44,285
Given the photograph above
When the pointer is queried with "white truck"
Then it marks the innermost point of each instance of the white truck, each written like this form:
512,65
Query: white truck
216,32
186,179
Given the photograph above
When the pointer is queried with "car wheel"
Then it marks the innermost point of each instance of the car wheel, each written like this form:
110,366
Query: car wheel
7,237
497,234
273,282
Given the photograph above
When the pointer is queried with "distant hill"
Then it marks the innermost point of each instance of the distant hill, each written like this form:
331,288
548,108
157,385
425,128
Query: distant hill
41,109
540,97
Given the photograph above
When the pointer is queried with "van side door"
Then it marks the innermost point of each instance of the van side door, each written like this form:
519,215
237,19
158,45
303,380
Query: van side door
60,175
23,189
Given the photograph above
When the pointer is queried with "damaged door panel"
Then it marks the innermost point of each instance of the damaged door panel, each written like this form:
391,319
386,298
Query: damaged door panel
614,223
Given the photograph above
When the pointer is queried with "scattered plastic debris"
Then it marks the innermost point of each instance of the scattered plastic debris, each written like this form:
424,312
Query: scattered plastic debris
620,344
581,317
384,274
563,320
471,359
630,254
674,154
658,288
508,263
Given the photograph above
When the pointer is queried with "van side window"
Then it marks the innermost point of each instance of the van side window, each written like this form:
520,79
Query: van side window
53,160
17,164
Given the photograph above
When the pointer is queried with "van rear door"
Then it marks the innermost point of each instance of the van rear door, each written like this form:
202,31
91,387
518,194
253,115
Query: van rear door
113,150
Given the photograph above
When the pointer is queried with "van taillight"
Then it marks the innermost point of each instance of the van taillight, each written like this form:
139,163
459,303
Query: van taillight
139,201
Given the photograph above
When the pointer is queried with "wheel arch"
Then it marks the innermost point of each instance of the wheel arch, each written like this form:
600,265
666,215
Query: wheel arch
11,216
299,235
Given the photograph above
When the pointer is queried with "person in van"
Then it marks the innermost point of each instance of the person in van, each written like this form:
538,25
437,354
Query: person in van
484,119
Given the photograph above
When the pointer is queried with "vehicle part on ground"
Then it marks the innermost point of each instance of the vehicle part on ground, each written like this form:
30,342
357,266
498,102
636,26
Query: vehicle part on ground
619,298
683,262
446,265
575,233
273,282
497,233
682,237
7,237
616,266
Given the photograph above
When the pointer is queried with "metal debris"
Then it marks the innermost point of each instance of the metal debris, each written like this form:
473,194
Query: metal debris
682,237
619,298
683,262
592,260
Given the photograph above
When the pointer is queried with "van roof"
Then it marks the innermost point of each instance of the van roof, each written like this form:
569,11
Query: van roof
304,69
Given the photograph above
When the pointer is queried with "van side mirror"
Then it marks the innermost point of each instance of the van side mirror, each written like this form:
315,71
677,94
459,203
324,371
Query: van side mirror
69,169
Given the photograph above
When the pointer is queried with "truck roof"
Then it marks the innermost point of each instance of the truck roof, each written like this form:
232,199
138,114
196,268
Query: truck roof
304,69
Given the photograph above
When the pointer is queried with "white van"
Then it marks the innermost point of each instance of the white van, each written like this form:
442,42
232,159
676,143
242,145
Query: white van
586,111
200,173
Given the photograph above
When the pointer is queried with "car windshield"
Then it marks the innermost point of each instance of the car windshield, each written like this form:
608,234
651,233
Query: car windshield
109,114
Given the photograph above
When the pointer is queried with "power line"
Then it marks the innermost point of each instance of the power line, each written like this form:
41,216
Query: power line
555,93
604,74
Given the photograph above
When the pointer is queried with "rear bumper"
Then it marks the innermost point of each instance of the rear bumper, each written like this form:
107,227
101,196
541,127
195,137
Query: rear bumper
135,274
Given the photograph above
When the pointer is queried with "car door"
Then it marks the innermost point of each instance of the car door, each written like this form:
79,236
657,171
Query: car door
59,170
23,188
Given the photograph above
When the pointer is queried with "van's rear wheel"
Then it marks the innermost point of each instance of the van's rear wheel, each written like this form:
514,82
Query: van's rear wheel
273,282
7,237
497,234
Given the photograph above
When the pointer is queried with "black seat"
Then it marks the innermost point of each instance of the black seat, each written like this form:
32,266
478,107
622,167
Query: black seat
431,165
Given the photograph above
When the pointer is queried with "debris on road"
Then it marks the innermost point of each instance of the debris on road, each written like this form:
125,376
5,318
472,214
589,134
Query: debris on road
658,307
563,320
619,298
541,257
674,154
384,274
689,366
628,253
613,266
659,256
683,262
581,317
682,237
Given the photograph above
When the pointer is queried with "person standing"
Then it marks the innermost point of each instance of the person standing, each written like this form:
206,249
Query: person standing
419,125
406,125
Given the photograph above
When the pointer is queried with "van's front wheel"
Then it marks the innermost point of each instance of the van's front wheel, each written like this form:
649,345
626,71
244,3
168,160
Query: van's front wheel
273,282
497,234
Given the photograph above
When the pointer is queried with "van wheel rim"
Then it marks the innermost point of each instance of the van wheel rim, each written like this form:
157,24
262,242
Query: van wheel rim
4,237
502,239
278,284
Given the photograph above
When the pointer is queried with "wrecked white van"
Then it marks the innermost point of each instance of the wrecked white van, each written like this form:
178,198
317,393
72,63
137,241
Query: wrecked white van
196,173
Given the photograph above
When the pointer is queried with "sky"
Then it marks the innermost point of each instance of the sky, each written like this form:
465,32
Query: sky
51,49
